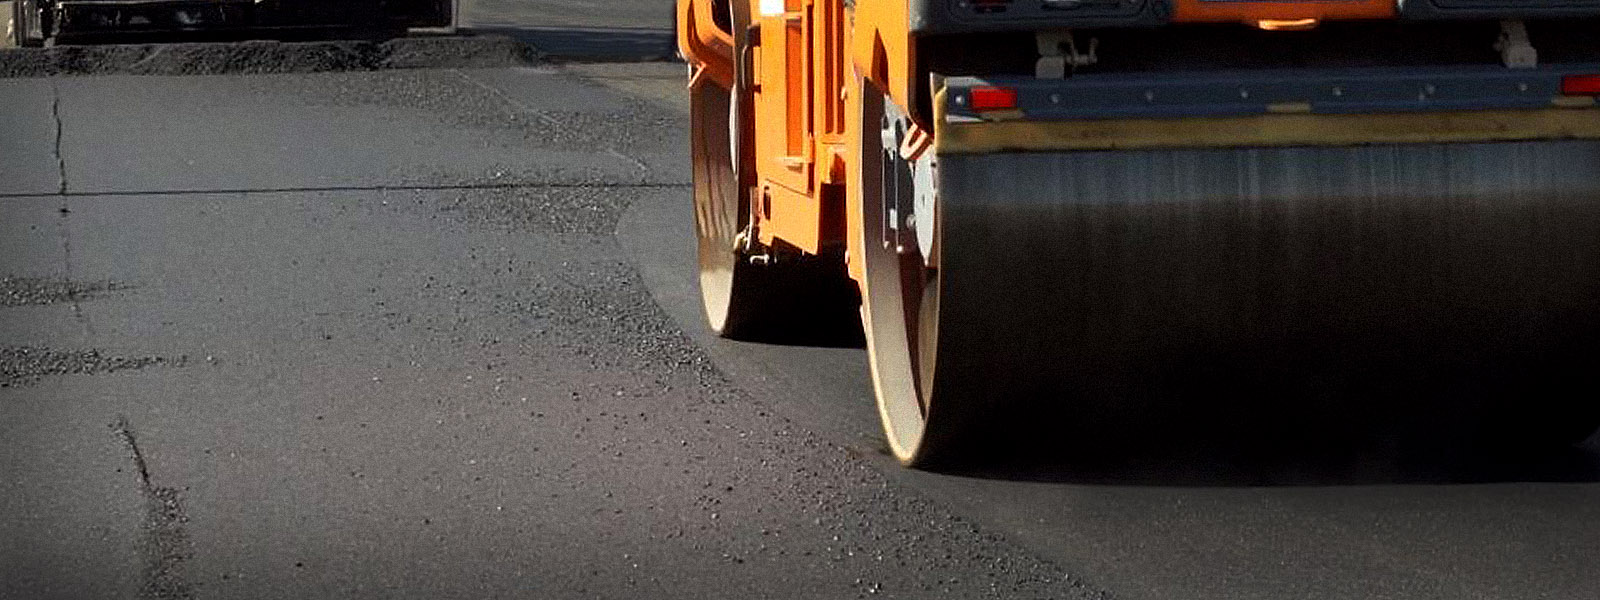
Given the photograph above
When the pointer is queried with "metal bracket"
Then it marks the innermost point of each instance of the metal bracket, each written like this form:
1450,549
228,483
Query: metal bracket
1516,51
917,141
1059,55
744,244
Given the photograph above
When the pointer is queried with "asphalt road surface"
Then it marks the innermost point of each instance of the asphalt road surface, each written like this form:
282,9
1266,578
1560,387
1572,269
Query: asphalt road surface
434,334
589,14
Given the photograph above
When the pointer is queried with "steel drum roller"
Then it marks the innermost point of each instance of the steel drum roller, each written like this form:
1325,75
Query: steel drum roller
1108,287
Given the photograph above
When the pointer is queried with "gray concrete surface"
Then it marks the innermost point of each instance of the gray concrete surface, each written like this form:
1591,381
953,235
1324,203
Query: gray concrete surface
434,334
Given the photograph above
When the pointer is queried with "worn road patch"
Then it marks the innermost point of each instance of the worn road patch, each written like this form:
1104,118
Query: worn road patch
23,365
31,291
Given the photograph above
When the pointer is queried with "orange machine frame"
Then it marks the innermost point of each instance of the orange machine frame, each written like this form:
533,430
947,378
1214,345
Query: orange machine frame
804,72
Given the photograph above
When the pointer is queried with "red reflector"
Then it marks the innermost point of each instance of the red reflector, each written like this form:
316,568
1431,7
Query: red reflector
1581,85
993,98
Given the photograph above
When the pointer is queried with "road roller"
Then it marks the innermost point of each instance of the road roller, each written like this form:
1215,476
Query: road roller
1125,213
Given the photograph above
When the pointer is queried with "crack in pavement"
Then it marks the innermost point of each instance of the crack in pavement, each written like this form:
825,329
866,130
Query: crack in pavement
61,161
63,227
166,543
64,230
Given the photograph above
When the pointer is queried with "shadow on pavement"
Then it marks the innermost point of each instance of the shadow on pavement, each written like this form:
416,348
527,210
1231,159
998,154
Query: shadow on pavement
1222,466
1255,448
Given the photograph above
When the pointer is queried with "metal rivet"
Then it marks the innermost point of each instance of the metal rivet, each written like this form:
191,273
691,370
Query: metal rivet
1150,96
961,100
1338,91
1244,93
1429,89
1522,87
1055,98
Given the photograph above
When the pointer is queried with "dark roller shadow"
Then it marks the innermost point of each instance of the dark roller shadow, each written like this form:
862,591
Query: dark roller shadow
1303,408
1215,426
1223,463
835,332
808,303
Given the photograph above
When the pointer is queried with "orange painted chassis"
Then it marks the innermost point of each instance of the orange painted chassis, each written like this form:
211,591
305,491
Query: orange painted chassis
804,75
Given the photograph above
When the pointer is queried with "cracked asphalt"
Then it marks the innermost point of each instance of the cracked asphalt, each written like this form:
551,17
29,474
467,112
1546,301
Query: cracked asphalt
433,333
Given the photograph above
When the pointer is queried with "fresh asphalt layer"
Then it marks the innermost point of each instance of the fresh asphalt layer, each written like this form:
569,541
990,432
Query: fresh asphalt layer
434,333
637,15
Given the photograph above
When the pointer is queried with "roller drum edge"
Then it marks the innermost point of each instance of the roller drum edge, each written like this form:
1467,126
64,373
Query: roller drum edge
1133,290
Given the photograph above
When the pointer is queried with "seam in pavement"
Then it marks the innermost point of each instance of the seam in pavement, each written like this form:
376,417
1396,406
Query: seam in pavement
166,543
347,188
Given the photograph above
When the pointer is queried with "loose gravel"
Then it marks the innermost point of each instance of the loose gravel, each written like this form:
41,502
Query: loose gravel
22,366
30,291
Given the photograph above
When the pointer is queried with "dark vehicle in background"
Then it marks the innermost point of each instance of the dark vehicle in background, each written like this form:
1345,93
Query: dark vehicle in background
44,22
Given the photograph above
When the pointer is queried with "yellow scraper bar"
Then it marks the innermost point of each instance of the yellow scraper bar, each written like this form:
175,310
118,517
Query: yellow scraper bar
1272,130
